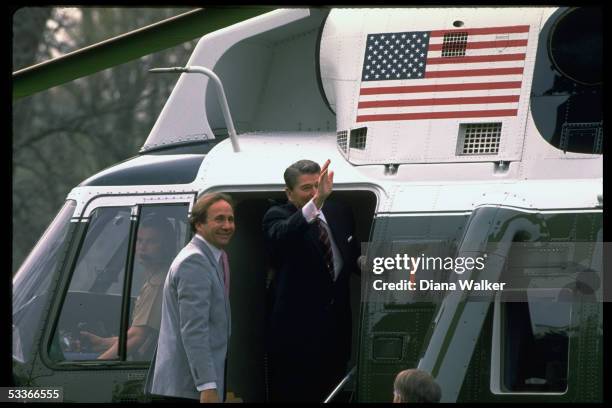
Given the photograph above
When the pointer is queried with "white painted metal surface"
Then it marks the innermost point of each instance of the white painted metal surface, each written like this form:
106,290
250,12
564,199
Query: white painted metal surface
268,69
343,52
264,157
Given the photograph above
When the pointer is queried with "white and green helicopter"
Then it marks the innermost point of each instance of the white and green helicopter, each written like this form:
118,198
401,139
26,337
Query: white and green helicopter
452,132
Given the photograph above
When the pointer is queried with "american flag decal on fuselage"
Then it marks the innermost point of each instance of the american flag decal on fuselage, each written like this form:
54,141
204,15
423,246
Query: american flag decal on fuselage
418,75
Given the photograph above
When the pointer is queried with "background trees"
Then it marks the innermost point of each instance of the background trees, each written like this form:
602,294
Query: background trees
66,134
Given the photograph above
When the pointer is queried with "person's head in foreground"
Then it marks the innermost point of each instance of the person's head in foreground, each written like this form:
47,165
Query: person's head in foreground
414,385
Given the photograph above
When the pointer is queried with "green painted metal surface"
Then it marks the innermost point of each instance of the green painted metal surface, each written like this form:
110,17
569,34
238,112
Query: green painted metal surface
411,321
127,47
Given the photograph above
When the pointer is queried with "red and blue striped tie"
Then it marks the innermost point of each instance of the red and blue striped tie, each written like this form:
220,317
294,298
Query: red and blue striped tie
328,255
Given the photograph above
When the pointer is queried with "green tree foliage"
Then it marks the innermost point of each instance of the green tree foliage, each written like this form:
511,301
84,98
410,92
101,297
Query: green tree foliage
70,132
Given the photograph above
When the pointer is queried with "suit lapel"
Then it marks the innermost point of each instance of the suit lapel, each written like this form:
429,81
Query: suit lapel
220,278
208,253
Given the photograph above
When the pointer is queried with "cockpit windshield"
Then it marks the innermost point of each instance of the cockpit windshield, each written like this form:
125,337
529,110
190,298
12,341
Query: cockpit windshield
32,280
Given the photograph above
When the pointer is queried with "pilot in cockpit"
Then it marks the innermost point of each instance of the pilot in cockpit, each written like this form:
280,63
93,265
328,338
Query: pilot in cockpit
155,249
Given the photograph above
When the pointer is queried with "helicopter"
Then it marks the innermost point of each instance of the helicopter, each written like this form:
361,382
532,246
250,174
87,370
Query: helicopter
453,133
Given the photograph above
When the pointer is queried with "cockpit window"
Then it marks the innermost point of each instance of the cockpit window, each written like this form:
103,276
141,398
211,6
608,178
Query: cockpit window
89,327
162,230
32,281
93,301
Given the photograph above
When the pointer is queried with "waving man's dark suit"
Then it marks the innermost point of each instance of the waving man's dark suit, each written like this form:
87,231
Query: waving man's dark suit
310,336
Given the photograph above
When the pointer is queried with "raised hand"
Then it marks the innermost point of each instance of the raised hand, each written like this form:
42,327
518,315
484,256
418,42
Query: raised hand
325,186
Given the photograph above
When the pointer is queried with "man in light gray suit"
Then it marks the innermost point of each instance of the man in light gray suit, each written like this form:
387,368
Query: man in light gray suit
195,327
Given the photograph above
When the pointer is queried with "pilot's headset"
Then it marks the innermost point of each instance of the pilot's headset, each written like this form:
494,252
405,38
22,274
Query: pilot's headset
160,223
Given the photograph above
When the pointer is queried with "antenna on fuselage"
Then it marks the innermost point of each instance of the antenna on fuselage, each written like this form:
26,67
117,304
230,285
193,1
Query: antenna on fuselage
220,92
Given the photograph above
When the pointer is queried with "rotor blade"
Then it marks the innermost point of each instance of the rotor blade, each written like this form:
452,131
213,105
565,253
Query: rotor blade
135,44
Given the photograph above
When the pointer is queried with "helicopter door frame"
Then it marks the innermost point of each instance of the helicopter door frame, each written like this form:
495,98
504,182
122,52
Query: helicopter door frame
114,200
381,197
67,372
388,349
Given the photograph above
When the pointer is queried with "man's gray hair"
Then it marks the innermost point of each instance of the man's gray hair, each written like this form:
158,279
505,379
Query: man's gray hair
297,169
416,385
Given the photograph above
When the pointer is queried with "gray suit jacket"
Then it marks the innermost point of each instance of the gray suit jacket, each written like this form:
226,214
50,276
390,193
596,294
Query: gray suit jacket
195,326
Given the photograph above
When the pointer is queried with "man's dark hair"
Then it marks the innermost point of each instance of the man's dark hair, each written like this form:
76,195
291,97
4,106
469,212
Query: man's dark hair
200,209
158,223
166,231
416,385
297,169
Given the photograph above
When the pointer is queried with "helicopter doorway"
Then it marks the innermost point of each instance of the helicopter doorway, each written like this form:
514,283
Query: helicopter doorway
251,298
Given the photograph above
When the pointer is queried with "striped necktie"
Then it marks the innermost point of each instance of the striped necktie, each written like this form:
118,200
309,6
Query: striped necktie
328,255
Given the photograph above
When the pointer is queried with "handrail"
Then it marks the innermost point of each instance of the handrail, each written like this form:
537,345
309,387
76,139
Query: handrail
220,92
459,320
340,385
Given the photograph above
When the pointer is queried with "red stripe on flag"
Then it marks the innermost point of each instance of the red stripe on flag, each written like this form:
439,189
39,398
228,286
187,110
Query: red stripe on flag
439,101
485,44
440,88
476,58
473,72
484,30
436,115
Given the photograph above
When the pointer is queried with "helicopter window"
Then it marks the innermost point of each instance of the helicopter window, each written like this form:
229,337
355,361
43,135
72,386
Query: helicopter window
89,324
535,343
454,44
162,231
93,301
479,138
32,281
